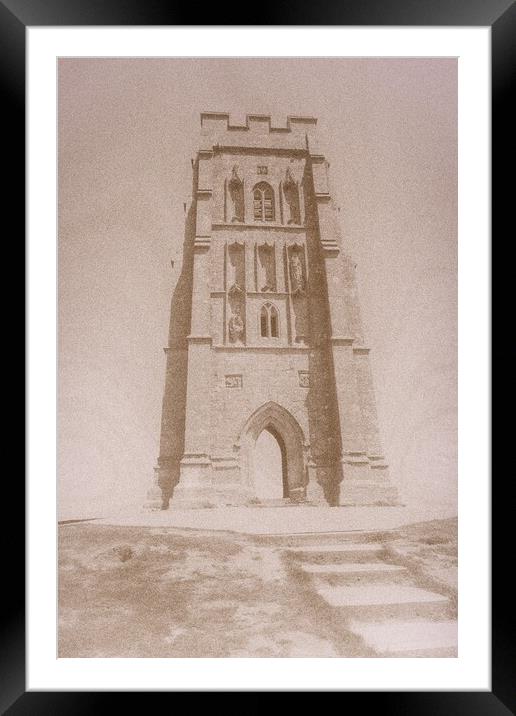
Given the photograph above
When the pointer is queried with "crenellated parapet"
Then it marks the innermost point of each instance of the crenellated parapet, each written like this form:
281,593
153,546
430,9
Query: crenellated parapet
258,132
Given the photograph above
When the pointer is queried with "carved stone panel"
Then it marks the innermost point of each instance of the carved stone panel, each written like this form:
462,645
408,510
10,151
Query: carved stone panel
235,286
300,322
291,193
266,268
236,325
304,378
235,267
297,270
236,196
233,381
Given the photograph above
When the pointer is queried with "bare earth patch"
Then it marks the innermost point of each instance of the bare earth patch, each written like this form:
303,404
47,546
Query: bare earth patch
431,549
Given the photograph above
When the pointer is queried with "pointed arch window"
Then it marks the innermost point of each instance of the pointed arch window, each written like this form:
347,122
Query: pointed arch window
269,321
263,202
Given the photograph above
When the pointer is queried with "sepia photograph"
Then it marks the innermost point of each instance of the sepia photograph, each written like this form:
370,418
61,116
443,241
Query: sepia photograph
257,357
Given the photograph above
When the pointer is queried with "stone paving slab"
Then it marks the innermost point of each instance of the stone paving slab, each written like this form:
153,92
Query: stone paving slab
354,568
339,548
398,636
349,552
378,595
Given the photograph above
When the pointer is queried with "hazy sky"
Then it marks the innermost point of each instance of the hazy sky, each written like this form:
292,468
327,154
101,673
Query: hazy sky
127,132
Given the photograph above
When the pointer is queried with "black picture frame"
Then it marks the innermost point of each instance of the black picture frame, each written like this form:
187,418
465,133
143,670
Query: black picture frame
500,16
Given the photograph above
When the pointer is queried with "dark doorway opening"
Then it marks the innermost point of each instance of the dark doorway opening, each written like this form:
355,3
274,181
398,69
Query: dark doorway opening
271,465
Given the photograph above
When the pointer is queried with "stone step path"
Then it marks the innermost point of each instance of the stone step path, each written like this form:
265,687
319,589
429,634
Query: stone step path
410,638
379,601
344,552
384,601
353,572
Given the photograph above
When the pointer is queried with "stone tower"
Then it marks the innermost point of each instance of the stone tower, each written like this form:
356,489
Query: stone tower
265,331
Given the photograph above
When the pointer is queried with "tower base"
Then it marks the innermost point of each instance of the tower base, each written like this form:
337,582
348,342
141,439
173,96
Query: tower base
155,498
368,492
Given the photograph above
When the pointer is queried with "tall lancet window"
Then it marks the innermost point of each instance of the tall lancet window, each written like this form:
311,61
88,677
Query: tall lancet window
269,321
263,202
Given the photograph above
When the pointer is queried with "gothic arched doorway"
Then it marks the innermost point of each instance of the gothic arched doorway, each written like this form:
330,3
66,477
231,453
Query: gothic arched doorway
283,474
